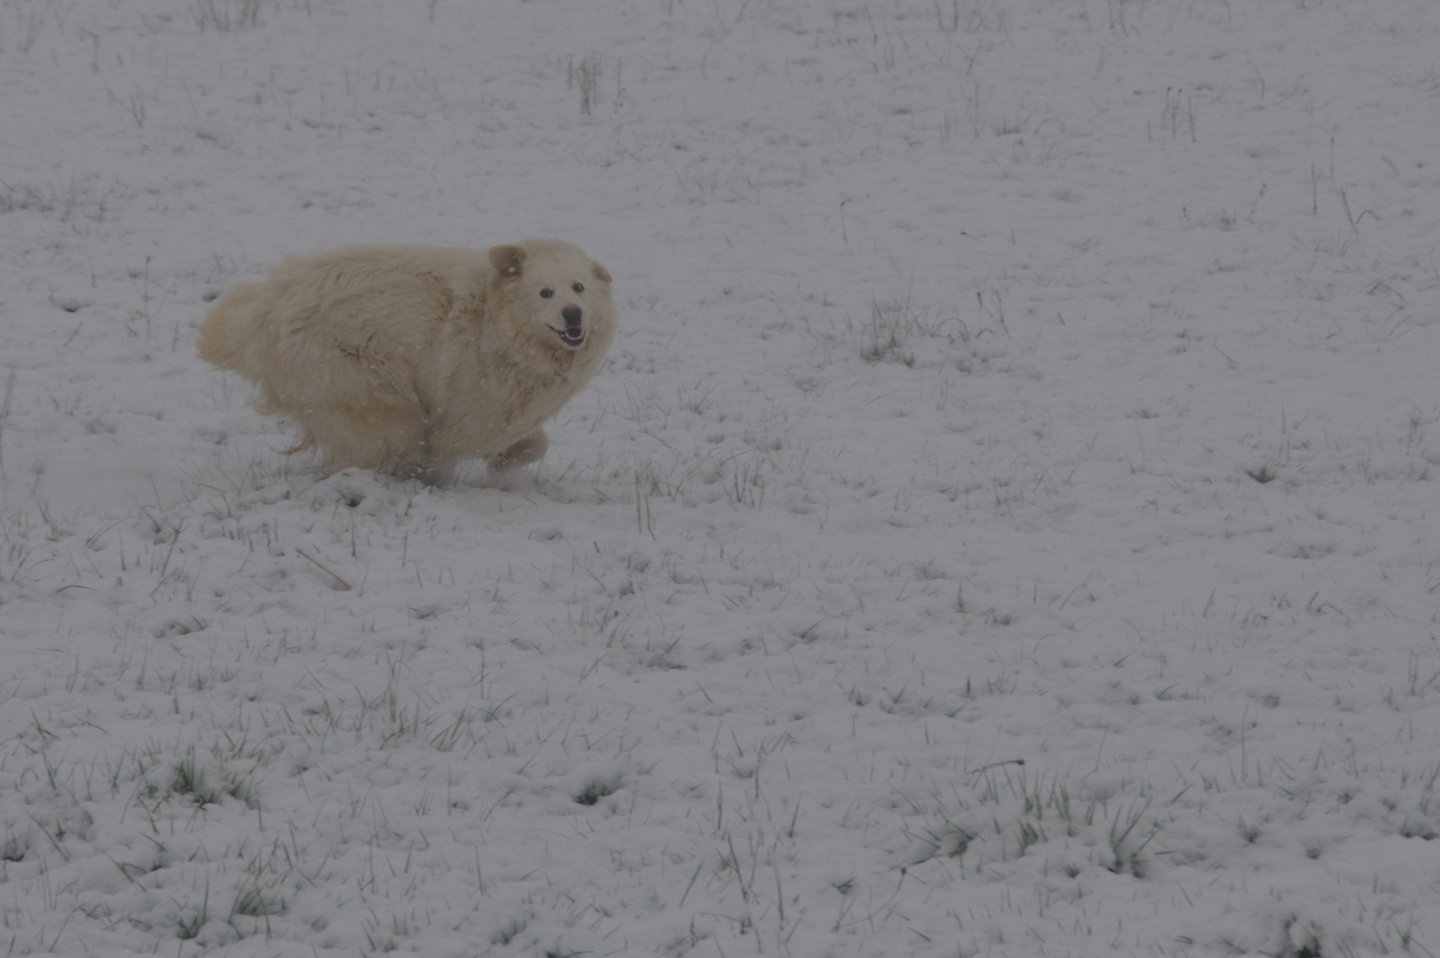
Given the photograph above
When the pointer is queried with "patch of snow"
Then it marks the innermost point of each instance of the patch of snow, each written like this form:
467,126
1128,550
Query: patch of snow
1005,524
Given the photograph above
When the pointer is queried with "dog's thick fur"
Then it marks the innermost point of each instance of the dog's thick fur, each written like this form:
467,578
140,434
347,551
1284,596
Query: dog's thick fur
410,358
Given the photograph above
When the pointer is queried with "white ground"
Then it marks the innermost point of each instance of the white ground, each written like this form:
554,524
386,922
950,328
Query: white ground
1007,523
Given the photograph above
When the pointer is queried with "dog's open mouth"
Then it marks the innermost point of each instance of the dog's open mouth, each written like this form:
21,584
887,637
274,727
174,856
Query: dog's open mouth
572,336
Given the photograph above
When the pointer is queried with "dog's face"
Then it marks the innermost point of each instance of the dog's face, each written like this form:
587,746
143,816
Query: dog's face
560,297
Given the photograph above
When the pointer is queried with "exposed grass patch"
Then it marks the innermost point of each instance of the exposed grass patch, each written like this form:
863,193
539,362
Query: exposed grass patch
226,15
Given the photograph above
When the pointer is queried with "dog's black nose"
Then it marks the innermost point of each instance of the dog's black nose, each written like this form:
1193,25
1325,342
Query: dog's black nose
572,315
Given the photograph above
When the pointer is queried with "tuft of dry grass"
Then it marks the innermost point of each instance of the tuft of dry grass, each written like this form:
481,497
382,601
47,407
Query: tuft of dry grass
226,14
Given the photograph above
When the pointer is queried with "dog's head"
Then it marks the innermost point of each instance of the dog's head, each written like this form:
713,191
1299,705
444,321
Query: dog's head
558,297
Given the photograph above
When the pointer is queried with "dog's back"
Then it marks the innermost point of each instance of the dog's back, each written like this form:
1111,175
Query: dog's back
347,297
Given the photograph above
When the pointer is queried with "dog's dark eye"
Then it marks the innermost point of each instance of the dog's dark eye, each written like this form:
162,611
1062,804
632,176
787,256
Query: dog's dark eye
546,293
579,287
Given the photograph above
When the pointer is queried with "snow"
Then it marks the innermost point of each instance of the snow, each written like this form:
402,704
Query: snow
1005,525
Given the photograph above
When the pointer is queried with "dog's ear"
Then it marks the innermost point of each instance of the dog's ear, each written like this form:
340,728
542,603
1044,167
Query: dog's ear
601,273
507,259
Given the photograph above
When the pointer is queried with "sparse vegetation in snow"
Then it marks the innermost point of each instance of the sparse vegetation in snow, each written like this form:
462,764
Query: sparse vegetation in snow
1004,525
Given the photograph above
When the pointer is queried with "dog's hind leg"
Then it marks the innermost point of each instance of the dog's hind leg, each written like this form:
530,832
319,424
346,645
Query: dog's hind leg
527,450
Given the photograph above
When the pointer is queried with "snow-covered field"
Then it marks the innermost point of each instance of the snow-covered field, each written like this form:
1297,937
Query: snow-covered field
1007,523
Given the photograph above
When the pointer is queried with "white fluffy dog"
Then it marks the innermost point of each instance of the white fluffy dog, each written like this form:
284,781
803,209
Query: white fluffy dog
411,358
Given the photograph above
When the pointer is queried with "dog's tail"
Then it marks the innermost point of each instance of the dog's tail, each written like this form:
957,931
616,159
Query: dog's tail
229,330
